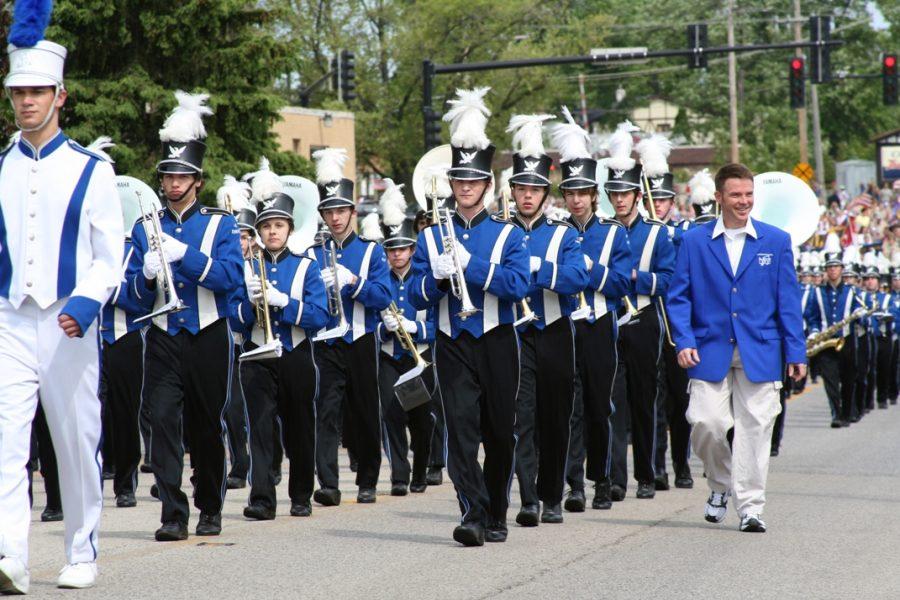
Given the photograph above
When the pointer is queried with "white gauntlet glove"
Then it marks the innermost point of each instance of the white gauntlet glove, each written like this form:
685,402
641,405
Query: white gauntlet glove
410,326
152,265
254,288
535,264
463,255
277,299
345,276
173,249
442,266
390,322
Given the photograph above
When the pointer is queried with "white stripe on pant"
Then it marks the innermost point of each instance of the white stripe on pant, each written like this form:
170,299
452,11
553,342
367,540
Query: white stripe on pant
37,359
751,408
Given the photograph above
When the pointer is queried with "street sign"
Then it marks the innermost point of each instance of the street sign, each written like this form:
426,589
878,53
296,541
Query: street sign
803,171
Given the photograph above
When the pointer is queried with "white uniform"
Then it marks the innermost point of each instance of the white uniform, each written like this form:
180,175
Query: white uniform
60,252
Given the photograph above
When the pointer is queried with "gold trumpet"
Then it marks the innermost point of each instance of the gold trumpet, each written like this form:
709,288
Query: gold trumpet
165,280
271,346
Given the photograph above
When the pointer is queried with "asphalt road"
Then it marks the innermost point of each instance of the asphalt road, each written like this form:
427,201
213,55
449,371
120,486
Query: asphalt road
834,532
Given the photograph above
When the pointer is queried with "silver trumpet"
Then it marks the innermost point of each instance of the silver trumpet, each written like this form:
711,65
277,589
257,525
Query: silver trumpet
165,280
444,220
335,302
271,346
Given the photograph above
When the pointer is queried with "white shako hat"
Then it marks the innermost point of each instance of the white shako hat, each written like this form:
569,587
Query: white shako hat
33,61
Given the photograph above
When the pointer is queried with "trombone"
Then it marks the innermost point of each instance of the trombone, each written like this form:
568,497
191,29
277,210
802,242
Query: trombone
271,346
164,279
333,292
662,306
528,315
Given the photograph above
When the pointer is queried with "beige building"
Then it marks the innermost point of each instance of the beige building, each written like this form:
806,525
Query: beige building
305,130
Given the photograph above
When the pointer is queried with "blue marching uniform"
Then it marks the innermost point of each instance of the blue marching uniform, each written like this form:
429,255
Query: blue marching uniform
883,332
547,344
867,329
477,358
188,358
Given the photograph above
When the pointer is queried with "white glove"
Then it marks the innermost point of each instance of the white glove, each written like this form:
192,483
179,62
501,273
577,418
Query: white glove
410,326
588,263
254,288
328,277
463,255
390,322
152,265
277,298
535,264
443,267
344,276
173,249
811,336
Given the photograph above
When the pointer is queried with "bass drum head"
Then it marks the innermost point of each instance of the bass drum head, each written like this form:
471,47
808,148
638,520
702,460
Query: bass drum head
785,201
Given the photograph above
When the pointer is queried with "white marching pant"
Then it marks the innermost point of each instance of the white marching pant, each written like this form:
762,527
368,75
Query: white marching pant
37,360
751,408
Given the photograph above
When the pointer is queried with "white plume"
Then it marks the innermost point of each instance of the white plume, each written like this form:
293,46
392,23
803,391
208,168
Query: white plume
185,123
330,164
654,152
233,193
619,145
392,203
99,147
832,243
468,119
851,255
570,139
528,134
868,260
439,172
703,187
369,228
805,260
265,183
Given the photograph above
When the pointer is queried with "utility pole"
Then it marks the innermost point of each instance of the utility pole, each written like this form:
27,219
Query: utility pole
584,116
801,112
732,88
817,140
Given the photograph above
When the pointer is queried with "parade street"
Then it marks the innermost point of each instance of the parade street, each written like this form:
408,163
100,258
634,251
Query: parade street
832,515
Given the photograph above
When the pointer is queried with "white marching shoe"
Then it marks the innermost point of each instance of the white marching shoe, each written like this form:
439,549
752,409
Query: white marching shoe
77,576
14,576
716,507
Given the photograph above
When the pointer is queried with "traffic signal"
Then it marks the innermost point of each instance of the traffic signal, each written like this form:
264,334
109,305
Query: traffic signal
697,41
889,78
432,128
798,86
820,56
348,75
335,74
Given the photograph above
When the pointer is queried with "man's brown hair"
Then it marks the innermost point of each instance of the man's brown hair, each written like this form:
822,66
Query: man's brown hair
732,171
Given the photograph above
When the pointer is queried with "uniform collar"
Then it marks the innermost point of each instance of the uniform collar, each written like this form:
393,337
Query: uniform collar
346,241
191,210
534,225
749,229
44,151
401,277
579,226
278,256
461,221
637,219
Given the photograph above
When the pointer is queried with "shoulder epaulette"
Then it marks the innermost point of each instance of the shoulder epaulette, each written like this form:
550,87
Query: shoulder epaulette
79,148
606,221
560,223
499,219
160,213
655,222
214,210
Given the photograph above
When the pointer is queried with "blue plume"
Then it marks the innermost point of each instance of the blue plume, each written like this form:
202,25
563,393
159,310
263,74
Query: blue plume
30,19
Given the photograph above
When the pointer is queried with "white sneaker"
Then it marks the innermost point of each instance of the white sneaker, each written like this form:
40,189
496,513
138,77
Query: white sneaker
14,576
753,524
77,576
716,507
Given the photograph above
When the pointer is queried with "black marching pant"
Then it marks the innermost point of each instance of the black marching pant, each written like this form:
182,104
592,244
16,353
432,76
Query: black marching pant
350,369
236,424
186,385
438,448
863,360
285,387
121,378
479,378
894,377
883,367
639,346
672,412
544,410
419,421
838,371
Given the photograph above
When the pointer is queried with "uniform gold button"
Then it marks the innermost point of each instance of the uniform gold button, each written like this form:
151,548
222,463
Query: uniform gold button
29,283
34,191
31,237
181,284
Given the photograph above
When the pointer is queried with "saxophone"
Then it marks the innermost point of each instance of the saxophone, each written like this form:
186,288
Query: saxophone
823,340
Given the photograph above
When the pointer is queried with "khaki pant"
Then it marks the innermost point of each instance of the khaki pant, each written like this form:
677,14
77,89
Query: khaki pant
750,408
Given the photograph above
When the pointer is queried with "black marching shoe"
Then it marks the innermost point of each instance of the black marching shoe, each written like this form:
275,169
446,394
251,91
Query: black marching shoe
893,401
418,487
51,515
172,531
575,502
645,490
209,524
276,479
616,492
435,476
154,491
126,500
661,483
602,497
145,468
774,451
107,475
837,424
258,512
496,532
366,496
301,509
882,405
552,514
327,496
469,534
528,515
683,478
398,489
235,483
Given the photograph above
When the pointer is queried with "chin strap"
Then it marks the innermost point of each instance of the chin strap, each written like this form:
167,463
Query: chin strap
46,119
164,197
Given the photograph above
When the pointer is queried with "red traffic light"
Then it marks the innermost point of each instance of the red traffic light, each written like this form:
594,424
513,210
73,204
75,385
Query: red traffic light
797,64
890,61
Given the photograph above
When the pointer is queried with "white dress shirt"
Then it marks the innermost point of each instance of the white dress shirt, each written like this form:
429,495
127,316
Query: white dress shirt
734,240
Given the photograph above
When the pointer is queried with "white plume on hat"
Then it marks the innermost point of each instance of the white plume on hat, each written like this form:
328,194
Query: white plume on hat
185,123
528,134
832,243
619,145
805,260
369,228
392,204
233,193
265,183
703,187
654,152
330,164
570,139
99,147
468,119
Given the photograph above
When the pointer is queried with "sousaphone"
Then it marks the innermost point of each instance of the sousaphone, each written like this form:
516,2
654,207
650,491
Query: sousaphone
306,218
129,189
785,201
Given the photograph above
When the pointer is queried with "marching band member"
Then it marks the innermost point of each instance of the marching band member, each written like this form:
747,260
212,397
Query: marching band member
394,360
735,307
894,377
641,338
188,360
882,328
851,276
476,351
547,342
285,386
60,259
348,364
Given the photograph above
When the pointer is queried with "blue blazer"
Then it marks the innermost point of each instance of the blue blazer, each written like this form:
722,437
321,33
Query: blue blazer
758,309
